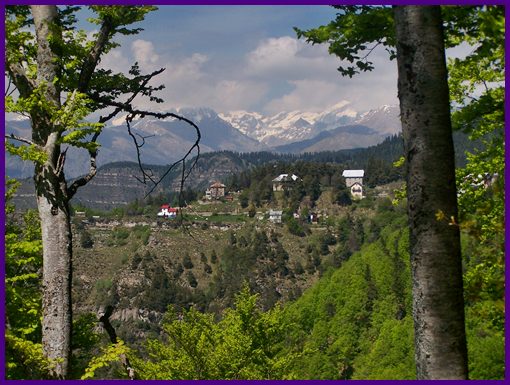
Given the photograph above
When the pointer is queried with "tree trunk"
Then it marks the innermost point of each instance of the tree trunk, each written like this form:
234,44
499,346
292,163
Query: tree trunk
52,201
57,273
438,306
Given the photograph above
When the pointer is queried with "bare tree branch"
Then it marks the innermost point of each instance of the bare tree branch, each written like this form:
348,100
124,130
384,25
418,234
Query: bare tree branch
182,160
90,63
8,90
145,174
379,42
80,182
104,317
130,99
21,139
93,153
19,77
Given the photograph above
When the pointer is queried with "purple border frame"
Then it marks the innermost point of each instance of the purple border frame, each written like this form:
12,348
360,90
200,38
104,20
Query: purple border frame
239,2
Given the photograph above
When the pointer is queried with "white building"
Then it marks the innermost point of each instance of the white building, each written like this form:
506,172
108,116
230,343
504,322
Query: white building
354,182
275,216
168,212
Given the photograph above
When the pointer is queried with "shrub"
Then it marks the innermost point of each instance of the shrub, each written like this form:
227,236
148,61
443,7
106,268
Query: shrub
86,240
186,262
191,279
295,228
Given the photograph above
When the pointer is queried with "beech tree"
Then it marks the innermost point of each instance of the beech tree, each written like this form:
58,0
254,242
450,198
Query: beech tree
438,304
417,37
54,80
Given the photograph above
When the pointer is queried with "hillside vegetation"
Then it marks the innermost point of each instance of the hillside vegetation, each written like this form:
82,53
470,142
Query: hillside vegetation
354,322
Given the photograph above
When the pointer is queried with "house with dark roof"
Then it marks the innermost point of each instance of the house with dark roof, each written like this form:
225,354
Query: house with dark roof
215,191
284,181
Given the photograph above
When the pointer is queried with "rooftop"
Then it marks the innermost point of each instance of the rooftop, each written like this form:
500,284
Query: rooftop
286,177
353,173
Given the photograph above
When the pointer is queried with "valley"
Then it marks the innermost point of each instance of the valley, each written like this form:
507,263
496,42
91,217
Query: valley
297,259
142,265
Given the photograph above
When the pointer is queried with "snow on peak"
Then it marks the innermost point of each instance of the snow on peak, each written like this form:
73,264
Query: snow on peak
197,114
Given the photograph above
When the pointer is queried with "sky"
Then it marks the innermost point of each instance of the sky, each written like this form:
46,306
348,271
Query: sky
232,58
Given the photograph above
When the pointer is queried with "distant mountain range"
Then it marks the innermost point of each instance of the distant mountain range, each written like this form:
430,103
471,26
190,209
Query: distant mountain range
295,126
339,127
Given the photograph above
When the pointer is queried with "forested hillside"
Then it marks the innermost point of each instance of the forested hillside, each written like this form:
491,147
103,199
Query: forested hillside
354,323
118,184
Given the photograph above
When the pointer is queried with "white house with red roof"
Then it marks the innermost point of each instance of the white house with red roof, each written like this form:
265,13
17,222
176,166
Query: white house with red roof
168,212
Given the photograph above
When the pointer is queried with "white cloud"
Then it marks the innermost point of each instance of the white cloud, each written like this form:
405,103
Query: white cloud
271,54
307,95
311,74
230,95
290,58
116,61
144,54
279,74
189,82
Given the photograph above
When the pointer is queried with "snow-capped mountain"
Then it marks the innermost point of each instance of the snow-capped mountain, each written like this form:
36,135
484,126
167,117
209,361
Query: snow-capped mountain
338,127
288,127
165,141
385,119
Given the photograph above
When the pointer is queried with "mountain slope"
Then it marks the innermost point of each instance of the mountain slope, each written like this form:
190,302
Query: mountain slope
340,138
165,142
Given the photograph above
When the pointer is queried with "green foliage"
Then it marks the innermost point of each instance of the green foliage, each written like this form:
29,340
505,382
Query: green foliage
190,277
486,340
244,344
476,84
391,356
23,261
214,257
118,236
84,343
295,228
103,284
29,152
252,210
355,322
112,353
68,121
72,48
24,358
186,261
142,232
244,199
356,31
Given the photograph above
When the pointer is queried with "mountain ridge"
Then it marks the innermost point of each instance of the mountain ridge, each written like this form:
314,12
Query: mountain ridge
167,140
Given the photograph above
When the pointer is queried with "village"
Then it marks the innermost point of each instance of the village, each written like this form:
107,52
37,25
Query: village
217,194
